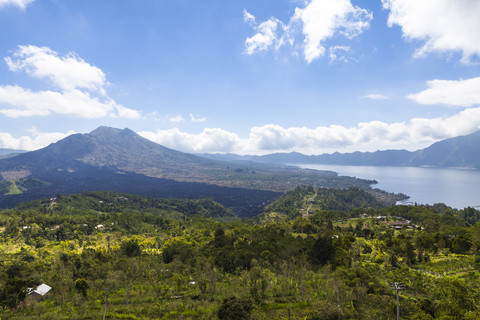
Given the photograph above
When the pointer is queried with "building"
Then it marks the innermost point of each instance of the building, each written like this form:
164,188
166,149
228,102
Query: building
40,292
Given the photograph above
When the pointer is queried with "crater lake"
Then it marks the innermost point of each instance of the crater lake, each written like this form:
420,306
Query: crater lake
458,188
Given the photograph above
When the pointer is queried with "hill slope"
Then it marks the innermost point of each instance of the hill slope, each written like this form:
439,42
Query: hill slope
110,202
463,151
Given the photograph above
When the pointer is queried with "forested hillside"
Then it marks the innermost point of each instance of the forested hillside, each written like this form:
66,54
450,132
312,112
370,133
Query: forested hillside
306,200
130,257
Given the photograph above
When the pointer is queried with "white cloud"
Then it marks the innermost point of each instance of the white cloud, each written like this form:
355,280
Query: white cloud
22,4
67,73
457,93
26,103
36,140
319,21
194,118
340,53
81,87
265,37
367,136
248,17
375,96
443,25
323,19
176,119
209,140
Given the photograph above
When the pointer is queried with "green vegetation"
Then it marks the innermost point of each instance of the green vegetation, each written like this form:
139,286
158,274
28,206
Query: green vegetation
113,202
9,188
14,189
143,258
305,200
19,186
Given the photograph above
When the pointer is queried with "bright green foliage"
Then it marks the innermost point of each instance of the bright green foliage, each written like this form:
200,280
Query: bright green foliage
157,260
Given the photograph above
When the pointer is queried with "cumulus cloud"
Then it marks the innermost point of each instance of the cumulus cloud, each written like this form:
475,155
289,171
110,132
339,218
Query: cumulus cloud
265,37
26,103
80,87
22,4
323,19
365,136
68,72
375,96
209,140
456,93
442,25
318,21
274,138
35,140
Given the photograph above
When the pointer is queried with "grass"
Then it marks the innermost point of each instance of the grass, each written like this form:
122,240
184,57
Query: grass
14,189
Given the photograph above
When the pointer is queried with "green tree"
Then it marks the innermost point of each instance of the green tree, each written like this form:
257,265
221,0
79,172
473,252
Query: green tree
131,248
81,285
323,250
179,248
234,308
14,290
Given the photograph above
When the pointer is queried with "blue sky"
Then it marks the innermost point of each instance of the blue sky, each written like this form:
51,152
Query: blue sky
249,77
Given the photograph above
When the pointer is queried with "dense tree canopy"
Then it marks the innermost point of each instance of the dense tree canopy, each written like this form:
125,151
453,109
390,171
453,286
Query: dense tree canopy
192,259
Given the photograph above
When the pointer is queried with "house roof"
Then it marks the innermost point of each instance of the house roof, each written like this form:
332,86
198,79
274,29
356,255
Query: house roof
42,289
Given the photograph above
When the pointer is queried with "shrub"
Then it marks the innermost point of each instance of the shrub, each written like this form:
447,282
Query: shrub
234,308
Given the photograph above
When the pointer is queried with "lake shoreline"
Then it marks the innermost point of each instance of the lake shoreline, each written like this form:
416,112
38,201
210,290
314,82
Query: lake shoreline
455,187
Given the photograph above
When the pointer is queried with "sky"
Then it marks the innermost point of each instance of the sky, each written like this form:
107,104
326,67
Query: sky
242,76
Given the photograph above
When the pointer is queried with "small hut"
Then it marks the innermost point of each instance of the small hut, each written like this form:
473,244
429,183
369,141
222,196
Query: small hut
40,292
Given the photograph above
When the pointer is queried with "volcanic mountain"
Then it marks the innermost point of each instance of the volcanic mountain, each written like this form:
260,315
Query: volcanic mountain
121,160
119,149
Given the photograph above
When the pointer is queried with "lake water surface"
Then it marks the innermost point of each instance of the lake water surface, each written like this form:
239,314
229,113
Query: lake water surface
455,187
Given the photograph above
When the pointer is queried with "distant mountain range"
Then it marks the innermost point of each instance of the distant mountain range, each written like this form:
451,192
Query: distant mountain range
458,152
120,160
9,152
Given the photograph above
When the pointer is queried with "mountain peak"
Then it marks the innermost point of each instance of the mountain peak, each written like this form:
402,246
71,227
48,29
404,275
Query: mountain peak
104,130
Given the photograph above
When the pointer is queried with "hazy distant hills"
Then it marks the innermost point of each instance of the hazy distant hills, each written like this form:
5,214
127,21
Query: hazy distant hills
9,152
120,160
460,152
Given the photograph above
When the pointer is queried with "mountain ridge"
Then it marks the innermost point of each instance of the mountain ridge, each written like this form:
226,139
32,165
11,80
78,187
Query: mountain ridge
458,152
121,160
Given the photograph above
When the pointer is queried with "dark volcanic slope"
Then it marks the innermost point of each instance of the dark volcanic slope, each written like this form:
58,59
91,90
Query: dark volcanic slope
114,148
121,160
124,150
245,202
107,158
